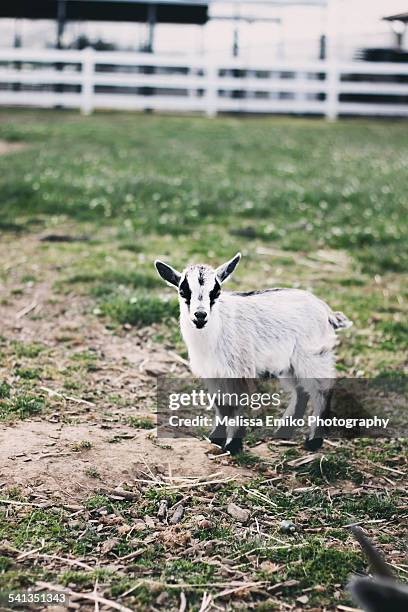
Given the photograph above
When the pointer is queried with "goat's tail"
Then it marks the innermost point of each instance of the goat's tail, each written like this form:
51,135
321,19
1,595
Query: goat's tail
338,320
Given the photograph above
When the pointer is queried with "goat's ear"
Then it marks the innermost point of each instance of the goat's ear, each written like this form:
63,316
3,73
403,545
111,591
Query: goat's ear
169,274
226,269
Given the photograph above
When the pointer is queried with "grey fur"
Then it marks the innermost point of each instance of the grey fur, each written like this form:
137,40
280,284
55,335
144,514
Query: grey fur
382,593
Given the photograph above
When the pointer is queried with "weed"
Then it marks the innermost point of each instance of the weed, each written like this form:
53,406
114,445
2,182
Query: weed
28,373
141,423
92,472
21,406
5,389
82,445
27,349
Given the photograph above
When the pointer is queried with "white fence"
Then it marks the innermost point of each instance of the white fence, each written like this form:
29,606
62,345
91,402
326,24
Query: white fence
90,80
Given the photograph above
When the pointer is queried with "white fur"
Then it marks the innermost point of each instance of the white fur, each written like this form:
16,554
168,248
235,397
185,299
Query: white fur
288,333
274,332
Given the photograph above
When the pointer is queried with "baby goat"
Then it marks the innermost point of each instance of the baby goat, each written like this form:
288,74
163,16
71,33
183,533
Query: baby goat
284,333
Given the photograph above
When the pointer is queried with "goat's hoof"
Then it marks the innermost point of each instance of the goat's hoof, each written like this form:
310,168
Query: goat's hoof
218,441
313,444
234,447
283,433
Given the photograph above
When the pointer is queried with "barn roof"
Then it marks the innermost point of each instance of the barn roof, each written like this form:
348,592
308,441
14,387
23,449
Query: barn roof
167,11
401,17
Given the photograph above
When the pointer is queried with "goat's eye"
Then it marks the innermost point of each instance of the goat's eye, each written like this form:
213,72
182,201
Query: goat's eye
185,291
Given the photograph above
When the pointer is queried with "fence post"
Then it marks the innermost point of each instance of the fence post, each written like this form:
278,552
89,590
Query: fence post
332,90
211,87
88,66
191,76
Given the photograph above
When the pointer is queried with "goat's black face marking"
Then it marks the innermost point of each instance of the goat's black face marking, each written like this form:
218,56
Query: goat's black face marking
199,289
215,293
185,291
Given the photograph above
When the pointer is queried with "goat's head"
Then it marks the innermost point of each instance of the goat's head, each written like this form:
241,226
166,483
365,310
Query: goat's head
199,287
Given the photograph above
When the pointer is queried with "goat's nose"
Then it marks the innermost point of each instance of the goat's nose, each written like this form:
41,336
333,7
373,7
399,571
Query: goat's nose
200,315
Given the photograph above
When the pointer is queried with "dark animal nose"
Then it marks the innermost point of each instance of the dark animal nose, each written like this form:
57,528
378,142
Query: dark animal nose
200,315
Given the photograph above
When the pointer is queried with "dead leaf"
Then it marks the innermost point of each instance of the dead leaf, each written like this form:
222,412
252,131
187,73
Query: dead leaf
139,525
177,515
108,545
172,536
149,522
162,511
269,567
240,514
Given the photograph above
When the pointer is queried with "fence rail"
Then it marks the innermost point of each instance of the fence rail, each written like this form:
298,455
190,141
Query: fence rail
90,80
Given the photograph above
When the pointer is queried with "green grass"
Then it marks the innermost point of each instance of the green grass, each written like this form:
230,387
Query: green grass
141,423
310,204
187,188
336,466
83,445
306,559
27,349
298,184
108,279
322,552
5,389
28,373
139,309
21,406
92,472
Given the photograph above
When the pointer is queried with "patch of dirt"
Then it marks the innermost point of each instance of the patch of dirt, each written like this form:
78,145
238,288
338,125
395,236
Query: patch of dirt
41,454
11,147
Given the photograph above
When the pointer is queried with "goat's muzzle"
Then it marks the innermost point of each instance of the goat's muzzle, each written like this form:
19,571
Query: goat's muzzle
199,320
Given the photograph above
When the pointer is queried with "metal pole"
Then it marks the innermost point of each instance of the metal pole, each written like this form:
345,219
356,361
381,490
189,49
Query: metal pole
17,34
61,16
235,44
151,21
332,73
17,44
322,47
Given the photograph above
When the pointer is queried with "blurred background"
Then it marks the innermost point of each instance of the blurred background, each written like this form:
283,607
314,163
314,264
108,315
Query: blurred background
315,57
278,29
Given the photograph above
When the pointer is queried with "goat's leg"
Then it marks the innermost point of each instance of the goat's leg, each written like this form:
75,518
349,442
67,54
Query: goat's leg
296,409
321,408
228,437
233,411
218,435
235,434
